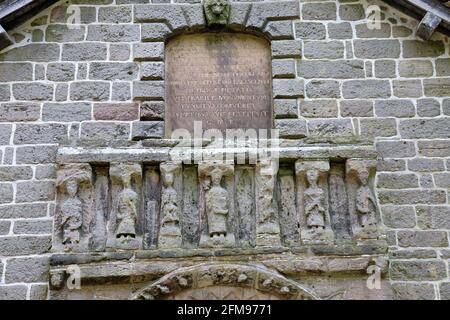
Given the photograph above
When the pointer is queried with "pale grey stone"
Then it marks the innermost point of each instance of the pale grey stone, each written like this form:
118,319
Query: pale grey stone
17,211
426,164
356,108
113,71
32,91
428,108
323,50
396,149
40,133
285,108
341,30
89,90
36,154
351,12
407,88
33,226
425,128
24,245
291,128
399,216
12,173
413,291
16,72
330,128
105,130
439,87
62,33
29,269
283,68
323,89
19,111
286,49
416,48
433,217
154,32
66,112
119,52
113,33
147,129
148,90
319,108
363,31
310,30
319,11
443,67
394,108
366,89
407,238
36,52
84,51
152,71
397,181
415,68
376,49
118,14
153,51
339,69
412,196
29,191
378,127
60,71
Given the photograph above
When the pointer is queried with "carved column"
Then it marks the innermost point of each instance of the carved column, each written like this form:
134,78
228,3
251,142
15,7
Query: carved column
216,179
170,230
312,198
267,223
125,218
74,209
364,216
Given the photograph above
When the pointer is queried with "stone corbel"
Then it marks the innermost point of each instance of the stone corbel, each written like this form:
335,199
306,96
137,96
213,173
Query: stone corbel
74,209
364,215
169,227
267,220
5,40
427,26
312,201
217,203
125,221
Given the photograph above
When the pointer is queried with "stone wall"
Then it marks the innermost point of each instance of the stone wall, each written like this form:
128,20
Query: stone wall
333,78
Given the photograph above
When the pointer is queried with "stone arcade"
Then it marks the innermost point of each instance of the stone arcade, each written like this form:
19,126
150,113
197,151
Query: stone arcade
114,166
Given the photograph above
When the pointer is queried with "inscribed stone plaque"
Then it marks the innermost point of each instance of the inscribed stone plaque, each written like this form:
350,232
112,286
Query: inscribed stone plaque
223,80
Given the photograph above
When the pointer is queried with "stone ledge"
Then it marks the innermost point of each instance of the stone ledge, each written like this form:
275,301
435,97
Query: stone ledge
160,150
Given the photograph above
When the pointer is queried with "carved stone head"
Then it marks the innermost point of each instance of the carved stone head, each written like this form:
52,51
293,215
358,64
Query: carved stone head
216,177
312,175
217,12
363,175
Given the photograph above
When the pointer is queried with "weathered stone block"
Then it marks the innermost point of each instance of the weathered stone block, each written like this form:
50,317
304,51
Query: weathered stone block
413,291
391,165
428,108
148,90
407,88
62,33
45,172
283,68
12,173
366,89
36,154
84,51
66,112
398,216
35,52
286,49
5,92
323,50
425,128
285,108
385,69
89,90
147,129
437,87
24,245
29,191
291,128
433,217
33,226
407,238
323,89
356,108
153,51
319,11
376,49
330,128
379,127
396,149
341,30
118,14
395,108
119,51
415,68
340,69
363,31
397,180
426,164
412,196
5,133
310,30
40,133
121,91
14,292
154,32
152,110
113,71
17,211
105,131
319,108
32,91
418,270
19,111
113,33
28,269
443,67
60,71
279,30
16,72
152,71
6,193
288,88
416,48
351,12
116,111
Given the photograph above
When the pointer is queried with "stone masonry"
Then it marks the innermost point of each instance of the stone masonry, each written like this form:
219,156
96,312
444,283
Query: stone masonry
333,78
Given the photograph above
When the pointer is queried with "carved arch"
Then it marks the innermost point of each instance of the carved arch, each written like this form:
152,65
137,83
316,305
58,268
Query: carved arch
212,275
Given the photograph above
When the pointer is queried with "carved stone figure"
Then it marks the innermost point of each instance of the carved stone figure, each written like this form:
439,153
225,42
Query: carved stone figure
127,211
365,201
217,12
72,215
170,233
217,205
268,227
362,202
314,202
74,209
123,222
312,199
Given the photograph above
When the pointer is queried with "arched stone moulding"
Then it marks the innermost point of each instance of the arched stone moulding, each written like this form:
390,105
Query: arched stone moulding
205,276
161,22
